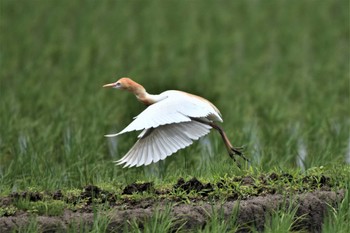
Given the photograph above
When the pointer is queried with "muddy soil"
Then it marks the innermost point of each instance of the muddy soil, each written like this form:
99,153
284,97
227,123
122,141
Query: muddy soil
191,213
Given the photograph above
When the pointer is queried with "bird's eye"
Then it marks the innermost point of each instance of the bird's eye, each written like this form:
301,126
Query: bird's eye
117,84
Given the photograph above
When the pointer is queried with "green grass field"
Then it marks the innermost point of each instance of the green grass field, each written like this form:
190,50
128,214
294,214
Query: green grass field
277,70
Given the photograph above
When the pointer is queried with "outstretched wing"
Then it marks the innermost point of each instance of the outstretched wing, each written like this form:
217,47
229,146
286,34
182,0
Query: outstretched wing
157,143
176,107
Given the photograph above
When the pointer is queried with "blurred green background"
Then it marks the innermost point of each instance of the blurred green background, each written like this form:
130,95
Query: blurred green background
277,70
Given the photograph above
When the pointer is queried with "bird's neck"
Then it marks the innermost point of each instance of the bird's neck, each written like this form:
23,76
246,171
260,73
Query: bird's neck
141,94
148,99
145,98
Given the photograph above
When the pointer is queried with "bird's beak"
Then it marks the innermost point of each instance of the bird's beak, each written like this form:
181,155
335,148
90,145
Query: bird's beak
109,85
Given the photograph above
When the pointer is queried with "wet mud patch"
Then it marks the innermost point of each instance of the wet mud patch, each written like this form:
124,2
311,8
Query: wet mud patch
194,185
138,188
191,200
31,196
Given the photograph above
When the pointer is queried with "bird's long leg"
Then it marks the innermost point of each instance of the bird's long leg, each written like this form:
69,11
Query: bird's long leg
230,149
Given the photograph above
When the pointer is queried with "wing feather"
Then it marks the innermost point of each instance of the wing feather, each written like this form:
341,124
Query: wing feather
168,137
156,152
142,156
163,141
134,157
165,149
150,154
175,107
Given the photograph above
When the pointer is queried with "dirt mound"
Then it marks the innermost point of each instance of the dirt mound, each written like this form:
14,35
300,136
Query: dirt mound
252,212
137,188
190,203
194,185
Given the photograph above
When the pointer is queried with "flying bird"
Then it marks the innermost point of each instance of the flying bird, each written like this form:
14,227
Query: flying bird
172,121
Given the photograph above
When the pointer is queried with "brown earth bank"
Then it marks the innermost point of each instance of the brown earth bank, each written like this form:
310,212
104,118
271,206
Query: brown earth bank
190,212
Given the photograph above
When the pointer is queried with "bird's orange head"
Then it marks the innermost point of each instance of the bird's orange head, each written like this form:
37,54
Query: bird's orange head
126,84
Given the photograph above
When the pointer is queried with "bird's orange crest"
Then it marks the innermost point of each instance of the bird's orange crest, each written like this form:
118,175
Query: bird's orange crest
129,84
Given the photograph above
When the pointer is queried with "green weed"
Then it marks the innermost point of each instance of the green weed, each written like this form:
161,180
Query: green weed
31,227
219,221
160,221
47,207
102,215
7,211
283,219
338,219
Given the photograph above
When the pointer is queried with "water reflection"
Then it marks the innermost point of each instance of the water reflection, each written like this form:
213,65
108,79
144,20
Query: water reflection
113,146
206,146
22,142
255,141
302,153
67,137
207,150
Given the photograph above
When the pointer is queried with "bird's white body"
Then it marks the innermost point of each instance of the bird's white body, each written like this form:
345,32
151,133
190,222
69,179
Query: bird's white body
168,126
172,121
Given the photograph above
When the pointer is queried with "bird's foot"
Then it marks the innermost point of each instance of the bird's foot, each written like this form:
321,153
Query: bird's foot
237,151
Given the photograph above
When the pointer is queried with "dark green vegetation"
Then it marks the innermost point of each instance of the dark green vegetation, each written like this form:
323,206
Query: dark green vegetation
277,70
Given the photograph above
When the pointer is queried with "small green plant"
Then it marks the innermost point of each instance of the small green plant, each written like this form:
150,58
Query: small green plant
32,226
160,221
47,207
7,211
77,227
338,219
102,218
283,219
219,221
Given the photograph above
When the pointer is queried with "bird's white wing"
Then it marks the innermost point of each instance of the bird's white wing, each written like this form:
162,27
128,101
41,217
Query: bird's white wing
157,143
176,107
